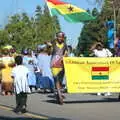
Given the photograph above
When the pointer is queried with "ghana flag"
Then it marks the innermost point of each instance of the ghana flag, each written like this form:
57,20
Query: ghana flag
70,12
100,73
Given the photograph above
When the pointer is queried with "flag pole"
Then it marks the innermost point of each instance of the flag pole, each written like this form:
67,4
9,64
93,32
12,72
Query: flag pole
115,28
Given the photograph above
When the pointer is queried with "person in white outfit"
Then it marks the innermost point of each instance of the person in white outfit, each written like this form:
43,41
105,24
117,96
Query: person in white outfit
100,51
44,60
70,51
21,87
30,62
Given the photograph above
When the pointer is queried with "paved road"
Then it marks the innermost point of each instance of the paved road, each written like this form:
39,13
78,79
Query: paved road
75,107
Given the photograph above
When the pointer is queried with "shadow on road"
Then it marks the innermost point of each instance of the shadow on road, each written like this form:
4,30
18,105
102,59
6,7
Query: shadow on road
51,96
50,101
104,100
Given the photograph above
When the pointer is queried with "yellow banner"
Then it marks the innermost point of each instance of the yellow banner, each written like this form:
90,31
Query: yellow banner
92,75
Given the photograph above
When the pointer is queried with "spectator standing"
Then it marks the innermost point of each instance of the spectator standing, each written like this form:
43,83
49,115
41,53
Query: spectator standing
117,47
31,63
7,63
21,87
100,51
70,51
46,81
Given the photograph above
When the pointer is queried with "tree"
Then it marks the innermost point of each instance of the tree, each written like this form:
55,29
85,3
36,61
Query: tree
96,30
23,31
112,7
38,13
46,26
90,33
3,38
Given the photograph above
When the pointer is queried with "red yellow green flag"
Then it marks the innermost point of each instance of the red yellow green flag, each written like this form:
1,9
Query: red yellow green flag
100,73
70,12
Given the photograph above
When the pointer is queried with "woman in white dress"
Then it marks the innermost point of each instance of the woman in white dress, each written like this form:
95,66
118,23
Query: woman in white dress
100,51
30,62
44,61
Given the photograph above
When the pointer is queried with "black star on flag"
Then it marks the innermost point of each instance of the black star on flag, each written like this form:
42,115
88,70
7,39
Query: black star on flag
70,9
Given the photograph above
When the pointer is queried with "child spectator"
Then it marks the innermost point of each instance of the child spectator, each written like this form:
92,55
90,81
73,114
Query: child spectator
21,87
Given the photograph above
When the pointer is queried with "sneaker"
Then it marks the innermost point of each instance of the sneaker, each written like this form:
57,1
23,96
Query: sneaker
3,93
51,90
98,94
107,94
16,110
9,93
38,89
23,110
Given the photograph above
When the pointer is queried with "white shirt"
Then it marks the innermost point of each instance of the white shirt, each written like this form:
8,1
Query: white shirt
71,55
102,53
44,61
26,60
20,73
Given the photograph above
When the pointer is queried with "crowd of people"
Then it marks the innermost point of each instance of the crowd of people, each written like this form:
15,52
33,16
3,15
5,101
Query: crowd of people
42,70
33,71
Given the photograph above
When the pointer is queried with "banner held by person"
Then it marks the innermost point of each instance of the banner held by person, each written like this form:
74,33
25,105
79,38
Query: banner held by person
92,75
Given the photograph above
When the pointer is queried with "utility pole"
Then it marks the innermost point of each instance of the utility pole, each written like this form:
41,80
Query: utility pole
115,21
116,10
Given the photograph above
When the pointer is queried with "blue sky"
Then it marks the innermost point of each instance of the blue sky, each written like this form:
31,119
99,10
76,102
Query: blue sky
72,30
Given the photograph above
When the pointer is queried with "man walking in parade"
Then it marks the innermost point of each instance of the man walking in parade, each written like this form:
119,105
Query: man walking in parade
59,51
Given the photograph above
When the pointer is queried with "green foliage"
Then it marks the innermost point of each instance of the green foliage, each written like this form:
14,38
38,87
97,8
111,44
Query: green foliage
91,32
23,31
96,30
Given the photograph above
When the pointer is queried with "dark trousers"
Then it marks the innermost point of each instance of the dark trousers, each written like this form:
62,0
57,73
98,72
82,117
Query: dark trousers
21,100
